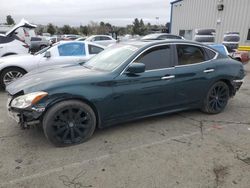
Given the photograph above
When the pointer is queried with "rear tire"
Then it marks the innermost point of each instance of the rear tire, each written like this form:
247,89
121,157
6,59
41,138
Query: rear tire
216,98
9,75
69,123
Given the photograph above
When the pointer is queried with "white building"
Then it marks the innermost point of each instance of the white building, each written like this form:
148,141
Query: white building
221,15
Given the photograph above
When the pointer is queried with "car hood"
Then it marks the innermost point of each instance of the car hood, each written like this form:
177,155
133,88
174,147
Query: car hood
51,77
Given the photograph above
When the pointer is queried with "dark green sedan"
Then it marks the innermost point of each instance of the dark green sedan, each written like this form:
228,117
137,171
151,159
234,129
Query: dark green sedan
124,82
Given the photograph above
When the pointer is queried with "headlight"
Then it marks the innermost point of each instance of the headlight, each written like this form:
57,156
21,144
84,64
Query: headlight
27,100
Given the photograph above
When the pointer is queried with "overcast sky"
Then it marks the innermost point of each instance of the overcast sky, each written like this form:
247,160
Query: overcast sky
76,12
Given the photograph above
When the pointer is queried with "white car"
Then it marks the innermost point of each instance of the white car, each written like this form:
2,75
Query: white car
11,44
64,52
104,40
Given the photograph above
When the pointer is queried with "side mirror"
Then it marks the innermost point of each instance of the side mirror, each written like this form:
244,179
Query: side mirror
136,68
47,54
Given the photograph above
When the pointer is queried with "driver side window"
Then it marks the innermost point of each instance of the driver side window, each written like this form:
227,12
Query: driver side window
159,57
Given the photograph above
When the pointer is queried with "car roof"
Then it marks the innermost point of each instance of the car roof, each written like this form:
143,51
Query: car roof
148,43
160,34
85,42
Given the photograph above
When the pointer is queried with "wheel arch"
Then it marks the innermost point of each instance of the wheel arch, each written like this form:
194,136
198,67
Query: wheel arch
12,66
229,84
76,98
9,53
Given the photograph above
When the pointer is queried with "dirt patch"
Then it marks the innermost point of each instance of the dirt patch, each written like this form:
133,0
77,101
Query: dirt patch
220,173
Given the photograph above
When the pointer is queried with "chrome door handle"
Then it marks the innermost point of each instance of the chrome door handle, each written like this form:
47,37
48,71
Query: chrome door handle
167,77
208,70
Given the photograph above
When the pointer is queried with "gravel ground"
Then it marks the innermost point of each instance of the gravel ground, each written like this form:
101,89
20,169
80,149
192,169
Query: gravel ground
187,149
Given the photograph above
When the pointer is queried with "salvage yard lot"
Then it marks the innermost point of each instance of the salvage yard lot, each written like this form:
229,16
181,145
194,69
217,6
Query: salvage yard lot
187,149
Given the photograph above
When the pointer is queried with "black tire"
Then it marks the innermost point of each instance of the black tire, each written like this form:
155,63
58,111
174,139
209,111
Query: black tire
205,31
216,98
204,38
69,123
15,74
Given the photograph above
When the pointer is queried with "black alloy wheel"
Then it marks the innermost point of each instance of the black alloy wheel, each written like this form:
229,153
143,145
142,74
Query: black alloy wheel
217,98
68,123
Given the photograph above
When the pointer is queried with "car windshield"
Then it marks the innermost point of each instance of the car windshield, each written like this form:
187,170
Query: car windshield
111,58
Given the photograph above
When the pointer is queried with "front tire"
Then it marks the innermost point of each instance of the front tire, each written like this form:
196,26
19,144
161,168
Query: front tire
69,123
216,98
9,75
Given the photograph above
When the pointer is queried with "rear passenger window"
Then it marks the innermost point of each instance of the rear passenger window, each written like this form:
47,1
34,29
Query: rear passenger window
210,54
157,58
94,49
188,54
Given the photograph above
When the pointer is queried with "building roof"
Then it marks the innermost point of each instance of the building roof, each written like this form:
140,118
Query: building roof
176,1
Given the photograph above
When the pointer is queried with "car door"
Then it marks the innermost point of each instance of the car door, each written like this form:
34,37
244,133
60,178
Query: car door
73,52
149,92
194,72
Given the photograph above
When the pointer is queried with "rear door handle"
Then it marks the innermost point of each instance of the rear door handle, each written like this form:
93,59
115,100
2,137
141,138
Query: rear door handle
208,70
168,77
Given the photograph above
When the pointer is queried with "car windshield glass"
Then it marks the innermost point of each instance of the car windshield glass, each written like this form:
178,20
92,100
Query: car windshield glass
111,58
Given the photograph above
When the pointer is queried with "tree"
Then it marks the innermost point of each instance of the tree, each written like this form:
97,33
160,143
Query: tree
139,27
10,20
84,30
51,29
66,29
74,31
136,27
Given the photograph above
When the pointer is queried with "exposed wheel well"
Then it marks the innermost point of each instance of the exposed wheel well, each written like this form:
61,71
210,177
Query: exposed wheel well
238,59
230,86
76,99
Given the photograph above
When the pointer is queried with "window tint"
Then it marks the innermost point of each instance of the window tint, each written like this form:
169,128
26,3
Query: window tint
94,49
157,58
105,38
211,54
97,39
169,37
188,54
71,49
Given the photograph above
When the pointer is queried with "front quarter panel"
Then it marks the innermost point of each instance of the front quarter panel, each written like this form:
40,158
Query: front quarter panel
97,94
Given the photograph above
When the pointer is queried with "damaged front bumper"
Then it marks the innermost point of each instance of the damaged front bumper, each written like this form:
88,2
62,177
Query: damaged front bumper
25,117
